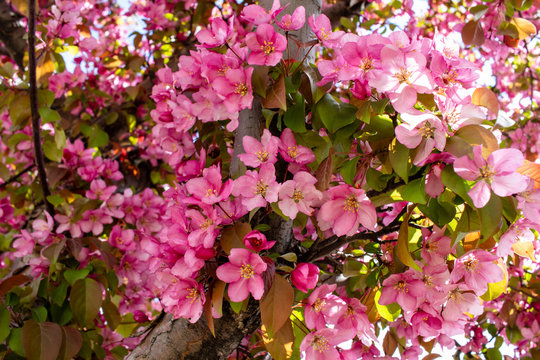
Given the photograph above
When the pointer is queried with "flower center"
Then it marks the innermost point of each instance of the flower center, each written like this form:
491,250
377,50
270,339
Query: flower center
262,155
268,47
324,34
471,265
210,192
366,63
486,173
428,280
261,188
427,130
193,294
297,196
401,286
241,89
403,75
246,271
291,151
319,305
320,343
455,296
351,204
206,223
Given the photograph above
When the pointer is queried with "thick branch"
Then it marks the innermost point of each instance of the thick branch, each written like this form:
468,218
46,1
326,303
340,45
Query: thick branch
36,120
12,33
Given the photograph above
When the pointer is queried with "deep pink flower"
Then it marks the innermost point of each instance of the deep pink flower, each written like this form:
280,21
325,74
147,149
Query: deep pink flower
209,189
294,21
322,28
479,268
345,209
497,173
299,194
257,15
266,46
292,152
243,273
185,298
305,276
257,188
99,190
260,152
256,241
216,34
122,239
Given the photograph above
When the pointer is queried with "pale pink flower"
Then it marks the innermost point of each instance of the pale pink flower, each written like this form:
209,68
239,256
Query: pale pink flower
185,298
216,34
520,231
42,229
292,152
305,276
322,28
436,244
256,241
404,289
209,188
529,203
257,15
266,46
93,221
321,344
497,173
257,188
260,152
479,268
68,223
23,245
345,209
294,21
299,194
323,307
356,323
243,274
460,301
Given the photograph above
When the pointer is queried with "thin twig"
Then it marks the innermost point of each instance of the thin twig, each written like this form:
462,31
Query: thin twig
16,176
36,120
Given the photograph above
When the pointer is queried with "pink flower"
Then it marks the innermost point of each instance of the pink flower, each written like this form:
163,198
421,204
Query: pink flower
243,274
519,231
294,21
122,239
497,173
216,34
209,189
266,46
403,289
256,241
322,28
292,152
42,229
355,322
460,301
299,194
185,298
257,188
323,307
305,276
235,90
479,268
345,209
260,152
99,190
435,244
257,15
321,344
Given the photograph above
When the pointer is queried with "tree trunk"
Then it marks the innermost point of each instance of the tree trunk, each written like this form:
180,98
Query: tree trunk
178,339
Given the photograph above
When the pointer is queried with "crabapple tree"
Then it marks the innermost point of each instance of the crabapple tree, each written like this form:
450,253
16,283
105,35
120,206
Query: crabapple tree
238,180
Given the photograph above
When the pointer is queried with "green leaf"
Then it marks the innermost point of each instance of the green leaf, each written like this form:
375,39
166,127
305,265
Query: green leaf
98,138
493,354
39,313
414,192
348,170
276,305
402,246
55,199
441,213
51,150
5,319
112,315
49,115
61,314
334,114
59,294
380,127
72,275
15,342
85,300
45,98
19,109
455,183
295,117
387,312
377,180
491,216
41,341
399,159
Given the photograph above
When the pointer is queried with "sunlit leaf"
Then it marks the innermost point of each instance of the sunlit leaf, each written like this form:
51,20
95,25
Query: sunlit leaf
276,305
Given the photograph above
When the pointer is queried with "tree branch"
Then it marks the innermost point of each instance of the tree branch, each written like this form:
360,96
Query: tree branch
36,120
16,176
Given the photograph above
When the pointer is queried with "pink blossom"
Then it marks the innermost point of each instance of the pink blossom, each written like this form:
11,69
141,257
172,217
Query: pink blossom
93,221
42,229
345,209
243,273
294,21
204,227
216,34
258,15
355,322
299,194
185,298
266,46
518,232
436,244
68,223
305,276
257,188
403,289
292,152
235,90
320,344
122,239
479,268
460,301
209,189
99,190
23,245
322,28
260,152
529,203
497,173
323,307
256,241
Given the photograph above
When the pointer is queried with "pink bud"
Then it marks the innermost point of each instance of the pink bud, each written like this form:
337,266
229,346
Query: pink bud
256,241
305,276
139,316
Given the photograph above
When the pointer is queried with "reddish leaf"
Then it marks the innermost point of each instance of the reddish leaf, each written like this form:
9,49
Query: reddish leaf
280,346
473,33
41,341
389,344
217,296
531,170
276,96
486,98
324,172
233,236
208,315
85,300
276,305
11,282
71,343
